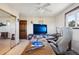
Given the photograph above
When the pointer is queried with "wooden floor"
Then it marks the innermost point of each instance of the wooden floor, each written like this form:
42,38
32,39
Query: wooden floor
18,50
6,45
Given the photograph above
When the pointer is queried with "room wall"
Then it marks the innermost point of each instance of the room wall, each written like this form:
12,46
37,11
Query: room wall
50,21
60,22
10,26
10,10
75,41
60,18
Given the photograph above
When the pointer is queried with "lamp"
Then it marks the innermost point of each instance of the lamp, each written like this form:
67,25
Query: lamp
8,22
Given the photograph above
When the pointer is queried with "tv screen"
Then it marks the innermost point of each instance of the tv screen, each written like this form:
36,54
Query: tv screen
39,29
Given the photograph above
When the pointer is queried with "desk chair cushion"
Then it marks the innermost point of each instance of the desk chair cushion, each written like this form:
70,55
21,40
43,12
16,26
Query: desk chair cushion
64,40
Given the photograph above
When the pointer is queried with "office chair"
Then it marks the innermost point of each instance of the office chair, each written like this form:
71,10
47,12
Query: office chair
61,46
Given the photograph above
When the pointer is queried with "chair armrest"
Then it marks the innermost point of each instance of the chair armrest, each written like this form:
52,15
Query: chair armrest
53,45
51,41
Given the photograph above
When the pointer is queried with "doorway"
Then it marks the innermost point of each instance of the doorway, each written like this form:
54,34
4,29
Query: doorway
23,29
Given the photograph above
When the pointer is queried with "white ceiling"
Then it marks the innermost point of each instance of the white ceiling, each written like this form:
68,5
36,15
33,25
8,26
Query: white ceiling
32,9
4,15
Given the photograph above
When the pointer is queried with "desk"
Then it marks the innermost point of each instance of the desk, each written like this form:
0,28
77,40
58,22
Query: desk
46,50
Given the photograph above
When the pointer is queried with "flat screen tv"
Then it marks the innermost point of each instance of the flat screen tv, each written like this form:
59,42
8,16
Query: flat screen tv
39,29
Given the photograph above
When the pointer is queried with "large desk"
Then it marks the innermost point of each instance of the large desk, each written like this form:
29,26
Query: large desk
46,50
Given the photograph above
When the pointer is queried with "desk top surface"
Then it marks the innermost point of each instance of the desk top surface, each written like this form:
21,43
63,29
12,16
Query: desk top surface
46,50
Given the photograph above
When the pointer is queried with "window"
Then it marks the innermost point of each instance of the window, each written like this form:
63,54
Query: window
71,21
72,18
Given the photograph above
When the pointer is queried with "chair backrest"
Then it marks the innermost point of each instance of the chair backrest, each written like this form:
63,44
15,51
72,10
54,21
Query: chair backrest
64,40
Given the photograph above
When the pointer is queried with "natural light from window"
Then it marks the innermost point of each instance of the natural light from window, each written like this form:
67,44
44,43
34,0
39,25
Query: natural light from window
72,19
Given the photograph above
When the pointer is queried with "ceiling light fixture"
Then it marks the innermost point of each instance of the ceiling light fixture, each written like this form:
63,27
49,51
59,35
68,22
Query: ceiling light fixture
41,10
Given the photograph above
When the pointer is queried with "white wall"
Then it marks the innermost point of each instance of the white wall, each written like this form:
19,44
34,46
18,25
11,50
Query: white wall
10,26
60,22
10,10
17,31
50,21
75,41
60,18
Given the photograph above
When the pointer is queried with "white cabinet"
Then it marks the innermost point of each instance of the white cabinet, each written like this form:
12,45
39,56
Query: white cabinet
75,40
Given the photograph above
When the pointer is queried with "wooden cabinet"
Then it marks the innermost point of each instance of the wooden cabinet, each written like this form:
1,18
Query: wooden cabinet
4,35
